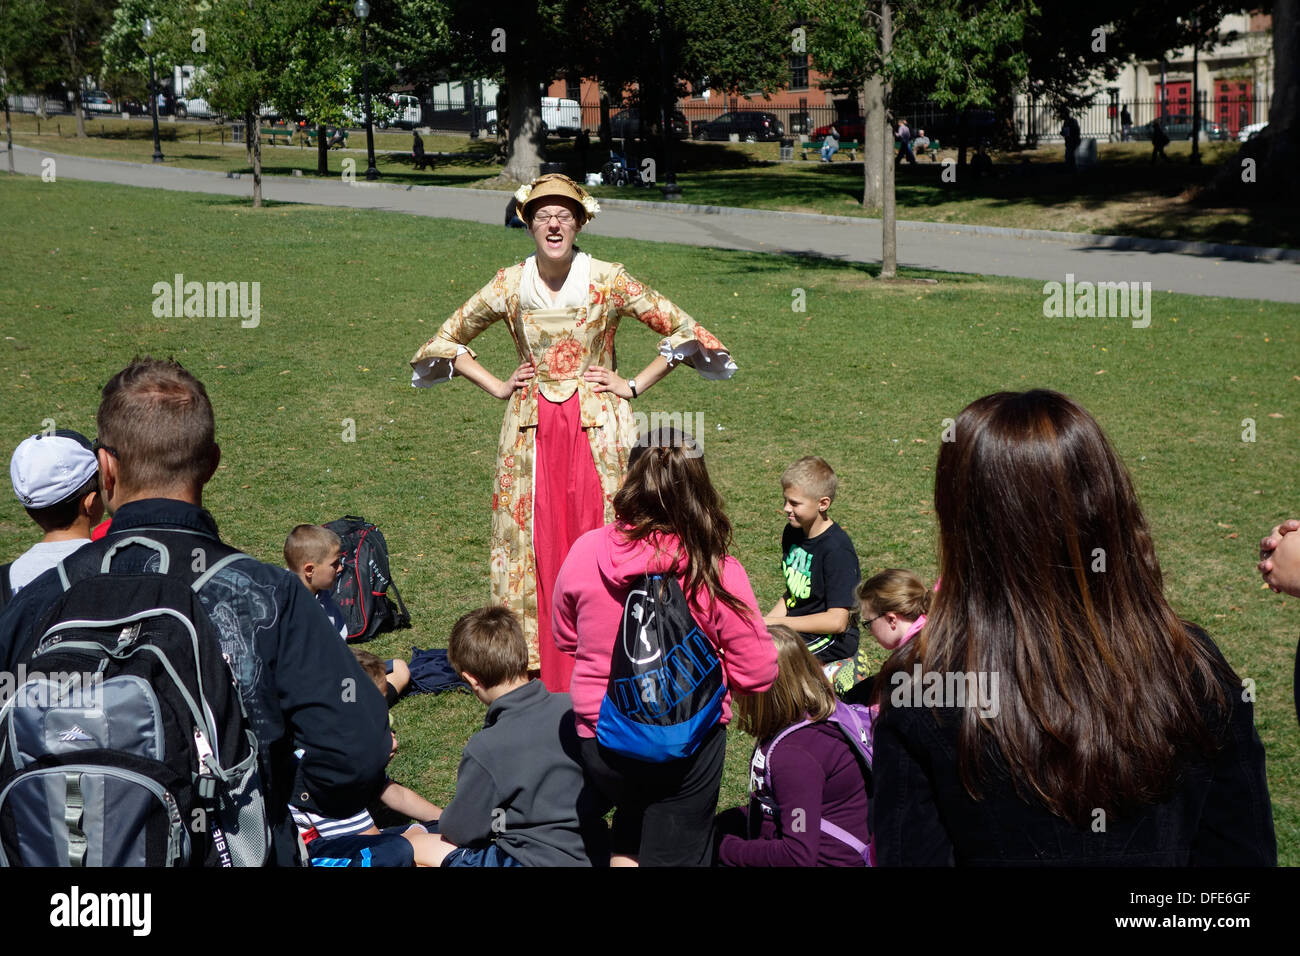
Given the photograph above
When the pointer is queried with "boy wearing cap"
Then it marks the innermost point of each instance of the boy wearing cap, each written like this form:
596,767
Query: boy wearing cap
56,477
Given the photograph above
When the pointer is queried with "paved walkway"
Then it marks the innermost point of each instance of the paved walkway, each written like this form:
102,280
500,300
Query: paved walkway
1025,254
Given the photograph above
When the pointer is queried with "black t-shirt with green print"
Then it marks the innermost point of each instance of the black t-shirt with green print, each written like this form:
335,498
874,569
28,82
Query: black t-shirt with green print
821,573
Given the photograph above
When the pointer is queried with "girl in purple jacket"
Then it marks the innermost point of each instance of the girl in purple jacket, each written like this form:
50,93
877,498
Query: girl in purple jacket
815,773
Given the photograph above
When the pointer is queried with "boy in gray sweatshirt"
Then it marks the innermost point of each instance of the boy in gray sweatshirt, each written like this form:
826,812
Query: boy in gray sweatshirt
520,796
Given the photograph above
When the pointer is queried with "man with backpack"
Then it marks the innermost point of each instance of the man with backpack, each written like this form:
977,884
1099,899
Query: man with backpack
292,677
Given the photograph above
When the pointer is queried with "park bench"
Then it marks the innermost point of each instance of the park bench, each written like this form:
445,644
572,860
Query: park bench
277,131
848,146
932,150
333,136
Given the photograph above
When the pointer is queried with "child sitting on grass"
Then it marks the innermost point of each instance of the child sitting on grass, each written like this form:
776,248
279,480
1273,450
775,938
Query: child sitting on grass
808,803
819,564
892,606
520,795
314,553
356,840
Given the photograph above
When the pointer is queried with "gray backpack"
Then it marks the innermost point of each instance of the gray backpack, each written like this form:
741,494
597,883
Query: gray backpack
126,743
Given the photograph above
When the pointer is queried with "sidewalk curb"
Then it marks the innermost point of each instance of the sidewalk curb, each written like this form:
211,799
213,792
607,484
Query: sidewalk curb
1216,250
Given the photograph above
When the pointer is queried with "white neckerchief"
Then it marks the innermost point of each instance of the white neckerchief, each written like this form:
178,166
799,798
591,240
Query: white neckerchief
534,296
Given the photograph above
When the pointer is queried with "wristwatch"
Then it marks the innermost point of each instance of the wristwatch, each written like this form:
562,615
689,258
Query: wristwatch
631,383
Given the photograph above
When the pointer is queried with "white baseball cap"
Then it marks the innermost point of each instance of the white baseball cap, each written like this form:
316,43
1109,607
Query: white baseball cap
48,469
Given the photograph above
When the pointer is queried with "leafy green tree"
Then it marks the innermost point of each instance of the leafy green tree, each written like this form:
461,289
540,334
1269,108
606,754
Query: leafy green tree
646,51
70,36
241,60
22,33
321,67
962,52
125,67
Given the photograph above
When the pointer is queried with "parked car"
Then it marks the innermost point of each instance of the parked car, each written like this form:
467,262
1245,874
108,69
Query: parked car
852,130
751,126
1247,133
193,106
1180,128
625,123
97,101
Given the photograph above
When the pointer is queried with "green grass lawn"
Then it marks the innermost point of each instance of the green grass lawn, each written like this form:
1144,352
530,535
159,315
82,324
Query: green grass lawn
1123,195
865,377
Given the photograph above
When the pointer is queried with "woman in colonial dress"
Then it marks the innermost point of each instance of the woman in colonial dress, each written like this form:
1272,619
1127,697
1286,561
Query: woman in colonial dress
568,426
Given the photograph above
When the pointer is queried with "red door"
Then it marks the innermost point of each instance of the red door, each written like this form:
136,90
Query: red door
1177,100
1234,106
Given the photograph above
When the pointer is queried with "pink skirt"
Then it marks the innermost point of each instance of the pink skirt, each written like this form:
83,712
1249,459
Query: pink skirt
568,501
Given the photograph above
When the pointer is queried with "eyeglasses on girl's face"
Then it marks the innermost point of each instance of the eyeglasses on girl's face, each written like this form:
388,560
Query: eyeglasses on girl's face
564,218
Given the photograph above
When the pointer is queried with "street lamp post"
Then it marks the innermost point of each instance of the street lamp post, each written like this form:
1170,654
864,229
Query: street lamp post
153,93
362,9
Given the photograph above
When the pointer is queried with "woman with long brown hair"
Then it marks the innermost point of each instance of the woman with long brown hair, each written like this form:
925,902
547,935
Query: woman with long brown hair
1055,709
669,523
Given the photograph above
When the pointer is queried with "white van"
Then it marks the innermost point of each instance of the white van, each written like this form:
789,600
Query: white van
559,116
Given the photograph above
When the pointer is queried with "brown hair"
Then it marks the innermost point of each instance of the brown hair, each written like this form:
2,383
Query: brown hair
373,665
309,543
667,492
1101,685
812,475
897,590
800,690
156,420
489,644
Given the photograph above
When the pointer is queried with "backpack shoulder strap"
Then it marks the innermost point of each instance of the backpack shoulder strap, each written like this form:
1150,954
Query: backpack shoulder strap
767,754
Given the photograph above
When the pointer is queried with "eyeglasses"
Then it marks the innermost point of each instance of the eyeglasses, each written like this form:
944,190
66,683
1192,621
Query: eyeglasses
96,445
563,218
867,623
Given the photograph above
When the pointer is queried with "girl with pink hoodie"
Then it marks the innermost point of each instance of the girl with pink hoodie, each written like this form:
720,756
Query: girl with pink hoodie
669,519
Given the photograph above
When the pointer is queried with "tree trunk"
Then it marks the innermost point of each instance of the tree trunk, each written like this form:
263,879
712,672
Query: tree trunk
888,228
322,152
1276,151
963,135
524,156
257,166
74,65
250,130
875,139
1284,113
9,133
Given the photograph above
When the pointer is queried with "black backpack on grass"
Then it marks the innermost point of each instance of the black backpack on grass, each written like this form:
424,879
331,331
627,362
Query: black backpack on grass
126,742
361,588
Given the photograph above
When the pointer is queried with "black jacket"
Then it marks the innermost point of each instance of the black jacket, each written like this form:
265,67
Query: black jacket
1219,814
287,658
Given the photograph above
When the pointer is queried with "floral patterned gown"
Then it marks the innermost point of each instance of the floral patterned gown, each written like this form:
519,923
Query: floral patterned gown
563,342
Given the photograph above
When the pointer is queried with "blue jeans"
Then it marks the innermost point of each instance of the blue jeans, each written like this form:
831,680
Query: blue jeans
828,151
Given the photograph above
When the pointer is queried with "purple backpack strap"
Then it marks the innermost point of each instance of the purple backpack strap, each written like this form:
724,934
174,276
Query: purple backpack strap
844,836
